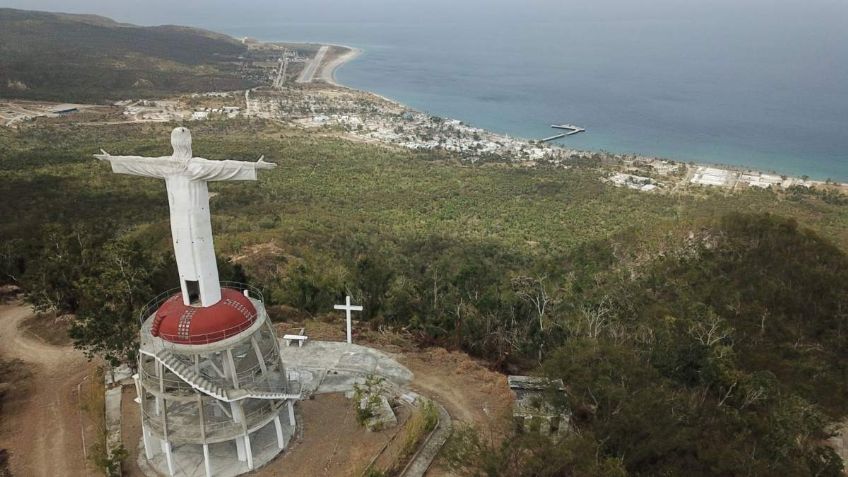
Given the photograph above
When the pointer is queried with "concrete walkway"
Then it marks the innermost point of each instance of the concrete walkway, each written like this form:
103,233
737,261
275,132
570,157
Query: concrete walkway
423,459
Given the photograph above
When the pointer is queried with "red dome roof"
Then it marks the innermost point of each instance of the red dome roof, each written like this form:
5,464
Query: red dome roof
182,324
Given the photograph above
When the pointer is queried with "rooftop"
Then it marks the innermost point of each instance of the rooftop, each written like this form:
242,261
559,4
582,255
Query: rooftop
185,324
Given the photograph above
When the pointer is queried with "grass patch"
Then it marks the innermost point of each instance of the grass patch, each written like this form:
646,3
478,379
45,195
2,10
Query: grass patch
423,421
93,404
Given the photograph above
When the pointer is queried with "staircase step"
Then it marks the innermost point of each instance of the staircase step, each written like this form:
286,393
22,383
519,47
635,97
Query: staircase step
200,383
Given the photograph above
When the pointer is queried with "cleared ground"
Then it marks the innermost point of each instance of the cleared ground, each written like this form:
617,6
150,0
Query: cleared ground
332,443
470,391
44,433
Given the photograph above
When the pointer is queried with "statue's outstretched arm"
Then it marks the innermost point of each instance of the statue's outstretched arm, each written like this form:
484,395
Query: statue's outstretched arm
137,165
261,164
208,170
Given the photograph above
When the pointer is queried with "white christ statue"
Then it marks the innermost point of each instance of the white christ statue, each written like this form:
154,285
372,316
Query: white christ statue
188,196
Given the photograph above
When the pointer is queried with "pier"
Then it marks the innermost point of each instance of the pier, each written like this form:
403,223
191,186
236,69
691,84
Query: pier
569,127
572,130
554,138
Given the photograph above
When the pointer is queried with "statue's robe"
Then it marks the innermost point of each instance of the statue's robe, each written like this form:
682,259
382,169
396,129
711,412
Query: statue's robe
191,226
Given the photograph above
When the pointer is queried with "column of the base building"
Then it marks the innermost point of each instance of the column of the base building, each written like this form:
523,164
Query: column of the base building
291,412
168,457
232,365
206,462
240,449
148,441
281,443
202,418
160,373
249,451
166,445
146,437
238,418
261,359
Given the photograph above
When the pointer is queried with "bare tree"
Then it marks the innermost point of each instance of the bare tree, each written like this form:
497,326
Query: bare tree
595,318
536,292
711,330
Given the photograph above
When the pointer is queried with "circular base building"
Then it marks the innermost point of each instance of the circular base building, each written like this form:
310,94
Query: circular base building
212,385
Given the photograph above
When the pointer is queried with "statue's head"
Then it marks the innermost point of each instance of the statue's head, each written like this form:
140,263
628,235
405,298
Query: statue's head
181,142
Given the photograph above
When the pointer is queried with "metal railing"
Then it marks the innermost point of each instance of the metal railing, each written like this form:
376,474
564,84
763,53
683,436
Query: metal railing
252,378
206,338
172,385
214,427
150,307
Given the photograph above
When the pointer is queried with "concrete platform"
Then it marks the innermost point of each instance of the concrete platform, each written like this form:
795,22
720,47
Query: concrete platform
331,367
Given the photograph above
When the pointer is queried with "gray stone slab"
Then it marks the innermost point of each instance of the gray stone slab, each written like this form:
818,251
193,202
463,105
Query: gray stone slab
113,418
383,416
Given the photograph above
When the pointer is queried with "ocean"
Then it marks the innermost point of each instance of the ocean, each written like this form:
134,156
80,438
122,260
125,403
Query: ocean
765,89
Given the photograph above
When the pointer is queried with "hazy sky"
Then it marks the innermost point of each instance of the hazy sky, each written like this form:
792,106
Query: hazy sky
222,13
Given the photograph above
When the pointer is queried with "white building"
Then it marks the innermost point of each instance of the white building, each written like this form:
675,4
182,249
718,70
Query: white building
711,176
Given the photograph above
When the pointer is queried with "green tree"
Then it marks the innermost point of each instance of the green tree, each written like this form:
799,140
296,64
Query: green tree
112,297
53,274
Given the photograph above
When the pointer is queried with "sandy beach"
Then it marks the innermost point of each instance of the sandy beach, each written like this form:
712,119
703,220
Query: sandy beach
328,72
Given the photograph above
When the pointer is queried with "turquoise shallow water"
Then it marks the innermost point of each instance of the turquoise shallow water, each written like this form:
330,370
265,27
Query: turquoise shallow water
766,91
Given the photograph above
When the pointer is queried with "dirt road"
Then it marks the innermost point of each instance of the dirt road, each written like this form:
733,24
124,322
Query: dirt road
43,433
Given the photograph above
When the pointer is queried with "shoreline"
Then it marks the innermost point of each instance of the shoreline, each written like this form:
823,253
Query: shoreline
328,75
328,70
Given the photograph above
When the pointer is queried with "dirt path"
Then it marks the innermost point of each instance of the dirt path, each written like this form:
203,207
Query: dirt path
43,433
471,393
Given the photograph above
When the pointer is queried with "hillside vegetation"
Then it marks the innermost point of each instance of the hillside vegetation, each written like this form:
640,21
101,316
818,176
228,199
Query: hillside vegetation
85,58
696,335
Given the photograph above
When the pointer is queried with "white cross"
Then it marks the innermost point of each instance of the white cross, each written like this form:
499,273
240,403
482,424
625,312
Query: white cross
347,307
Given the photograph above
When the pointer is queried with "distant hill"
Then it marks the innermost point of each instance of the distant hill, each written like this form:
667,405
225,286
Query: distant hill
88,58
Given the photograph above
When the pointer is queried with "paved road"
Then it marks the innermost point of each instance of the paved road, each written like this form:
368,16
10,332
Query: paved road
308,73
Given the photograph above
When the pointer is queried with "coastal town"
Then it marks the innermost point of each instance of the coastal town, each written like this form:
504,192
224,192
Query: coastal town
301,91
